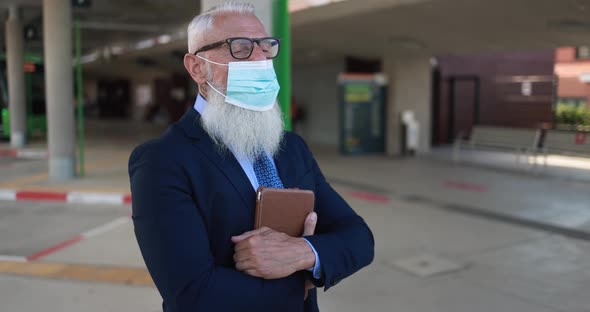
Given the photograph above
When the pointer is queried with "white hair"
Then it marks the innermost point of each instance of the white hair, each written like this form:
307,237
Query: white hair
203,22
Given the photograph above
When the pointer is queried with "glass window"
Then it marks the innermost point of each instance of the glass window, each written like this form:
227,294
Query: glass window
583,52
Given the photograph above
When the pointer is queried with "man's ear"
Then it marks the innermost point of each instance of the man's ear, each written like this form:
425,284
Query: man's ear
196,68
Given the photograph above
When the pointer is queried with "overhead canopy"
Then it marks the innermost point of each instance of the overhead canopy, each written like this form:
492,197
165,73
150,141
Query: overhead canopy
434,27
328,29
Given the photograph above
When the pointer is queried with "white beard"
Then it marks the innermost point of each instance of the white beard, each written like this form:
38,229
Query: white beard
248,134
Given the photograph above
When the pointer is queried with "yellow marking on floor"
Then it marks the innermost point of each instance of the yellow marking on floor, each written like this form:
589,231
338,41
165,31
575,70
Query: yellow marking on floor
24,182
78,272
107,162
38,269
142,280
7,265
15,183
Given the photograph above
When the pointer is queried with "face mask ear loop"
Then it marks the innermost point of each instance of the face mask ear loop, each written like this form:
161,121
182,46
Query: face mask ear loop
206,60
212,87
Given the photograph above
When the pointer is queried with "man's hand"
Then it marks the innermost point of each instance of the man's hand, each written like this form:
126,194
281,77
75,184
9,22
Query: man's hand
269,254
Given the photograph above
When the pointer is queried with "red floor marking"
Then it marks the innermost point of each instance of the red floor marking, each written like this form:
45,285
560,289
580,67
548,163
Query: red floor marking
33,195
127,199
370,197
55,248
465,186
8,153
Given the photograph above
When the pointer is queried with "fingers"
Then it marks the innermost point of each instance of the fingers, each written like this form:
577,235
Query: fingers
310,223
243,236
243,255
249,268
248,243
245,265
254,273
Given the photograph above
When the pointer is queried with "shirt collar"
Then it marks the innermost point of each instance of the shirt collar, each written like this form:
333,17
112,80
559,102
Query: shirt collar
200,104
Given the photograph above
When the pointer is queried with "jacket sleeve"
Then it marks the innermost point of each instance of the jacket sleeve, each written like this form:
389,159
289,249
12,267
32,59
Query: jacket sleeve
173,241
343,240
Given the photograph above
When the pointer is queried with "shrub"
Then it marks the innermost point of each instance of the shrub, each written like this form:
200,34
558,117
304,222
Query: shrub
571,115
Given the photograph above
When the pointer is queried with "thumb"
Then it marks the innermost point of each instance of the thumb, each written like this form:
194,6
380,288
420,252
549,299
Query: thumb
310,223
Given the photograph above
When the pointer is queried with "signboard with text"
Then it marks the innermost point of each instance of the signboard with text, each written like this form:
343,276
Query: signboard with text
362,112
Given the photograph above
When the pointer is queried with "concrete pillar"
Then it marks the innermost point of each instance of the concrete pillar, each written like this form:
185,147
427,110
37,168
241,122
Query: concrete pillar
15,56
410,88
263,10
57,44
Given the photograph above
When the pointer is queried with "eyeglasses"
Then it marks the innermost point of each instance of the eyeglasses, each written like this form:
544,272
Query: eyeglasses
241,47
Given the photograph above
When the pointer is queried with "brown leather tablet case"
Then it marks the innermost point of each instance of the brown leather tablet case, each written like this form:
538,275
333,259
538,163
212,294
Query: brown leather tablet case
283,210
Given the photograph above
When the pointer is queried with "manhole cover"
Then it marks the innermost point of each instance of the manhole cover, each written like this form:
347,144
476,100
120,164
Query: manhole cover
428,265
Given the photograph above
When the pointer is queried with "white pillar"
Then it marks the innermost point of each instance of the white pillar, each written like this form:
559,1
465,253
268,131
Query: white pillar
410,88
15,56
57,44
263,10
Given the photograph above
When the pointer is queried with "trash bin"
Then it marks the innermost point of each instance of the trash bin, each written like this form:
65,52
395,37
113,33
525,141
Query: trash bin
410,133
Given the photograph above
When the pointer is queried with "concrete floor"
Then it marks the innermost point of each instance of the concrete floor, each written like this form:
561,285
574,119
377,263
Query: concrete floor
506,267
525,260
27,228
25,294
550,201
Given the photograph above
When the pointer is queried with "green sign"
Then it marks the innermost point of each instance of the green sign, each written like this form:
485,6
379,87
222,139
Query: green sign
358,92
362,114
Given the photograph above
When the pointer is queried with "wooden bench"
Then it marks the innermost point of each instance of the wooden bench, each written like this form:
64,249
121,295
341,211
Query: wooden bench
521,142
566,143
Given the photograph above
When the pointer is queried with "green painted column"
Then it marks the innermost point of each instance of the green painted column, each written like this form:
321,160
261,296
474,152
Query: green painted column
282,29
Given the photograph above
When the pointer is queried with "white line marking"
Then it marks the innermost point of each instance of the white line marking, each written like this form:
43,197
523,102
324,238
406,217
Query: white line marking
95,198
13,258
32,154
7,194
106,227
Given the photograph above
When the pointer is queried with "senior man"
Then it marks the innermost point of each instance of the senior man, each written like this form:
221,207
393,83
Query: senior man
193,187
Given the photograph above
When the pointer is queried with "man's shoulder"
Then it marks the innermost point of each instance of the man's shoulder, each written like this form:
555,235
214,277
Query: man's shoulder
292,139
295,147
162,149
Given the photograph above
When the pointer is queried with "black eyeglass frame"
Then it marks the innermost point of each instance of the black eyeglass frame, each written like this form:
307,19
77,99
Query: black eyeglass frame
230,40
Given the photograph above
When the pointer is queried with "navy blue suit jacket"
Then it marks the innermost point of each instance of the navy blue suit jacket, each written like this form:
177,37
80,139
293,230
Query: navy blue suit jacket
189,198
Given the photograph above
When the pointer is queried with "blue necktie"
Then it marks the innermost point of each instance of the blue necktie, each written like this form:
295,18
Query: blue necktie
266,173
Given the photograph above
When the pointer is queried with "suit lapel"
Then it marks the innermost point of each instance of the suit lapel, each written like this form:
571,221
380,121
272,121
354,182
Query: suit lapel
223,160
285,167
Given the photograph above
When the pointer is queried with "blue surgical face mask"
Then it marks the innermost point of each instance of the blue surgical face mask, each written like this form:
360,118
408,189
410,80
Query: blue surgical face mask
251,85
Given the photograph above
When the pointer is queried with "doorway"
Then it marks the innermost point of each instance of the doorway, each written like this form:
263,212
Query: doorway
463,105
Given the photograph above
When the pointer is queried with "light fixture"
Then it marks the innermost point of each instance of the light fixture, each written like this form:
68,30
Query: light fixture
163,39
144,44
569,25
406,43
89,58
